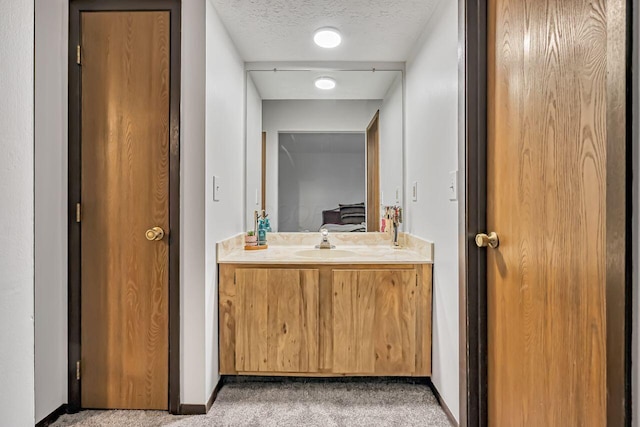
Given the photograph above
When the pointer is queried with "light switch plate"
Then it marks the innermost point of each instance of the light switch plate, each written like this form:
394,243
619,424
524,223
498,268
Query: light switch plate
414,191
216,188
453,185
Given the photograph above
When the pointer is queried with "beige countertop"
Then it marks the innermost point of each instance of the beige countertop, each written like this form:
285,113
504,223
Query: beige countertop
298,248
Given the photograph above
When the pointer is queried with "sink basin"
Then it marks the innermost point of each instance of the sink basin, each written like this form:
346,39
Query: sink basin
324,253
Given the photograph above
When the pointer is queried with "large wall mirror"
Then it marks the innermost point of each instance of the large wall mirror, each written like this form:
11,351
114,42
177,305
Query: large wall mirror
324,148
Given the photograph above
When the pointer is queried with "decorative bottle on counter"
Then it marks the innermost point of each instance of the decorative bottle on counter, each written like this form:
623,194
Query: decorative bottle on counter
262,233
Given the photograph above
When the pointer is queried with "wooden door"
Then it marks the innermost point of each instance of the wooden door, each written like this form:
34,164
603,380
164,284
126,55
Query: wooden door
373,174
374,321
125,184
548,200
276,322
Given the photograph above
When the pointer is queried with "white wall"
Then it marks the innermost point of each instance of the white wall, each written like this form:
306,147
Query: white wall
318,171
51,213
432,152
254,152
17,214
192,193
391,152
308,116
224,149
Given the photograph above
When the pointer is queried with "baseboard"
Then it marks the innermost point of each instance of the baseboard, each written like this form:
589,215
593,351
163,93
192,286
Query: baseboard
187,409
444,406
214,393
52,417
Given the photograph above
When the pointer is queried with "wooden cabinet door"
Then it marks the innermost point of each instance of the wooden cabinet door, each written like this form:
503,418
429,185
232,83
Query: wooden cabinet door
374,321
276,320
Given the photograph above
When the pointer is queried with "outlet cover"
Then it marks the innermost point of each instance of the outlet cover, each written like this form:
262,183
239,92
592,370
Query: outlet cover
453,185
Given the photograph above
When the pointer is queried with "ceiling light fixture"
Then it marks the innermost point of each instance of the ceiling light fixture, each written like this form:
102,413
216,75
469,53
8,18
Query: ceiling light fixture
325,83
327,37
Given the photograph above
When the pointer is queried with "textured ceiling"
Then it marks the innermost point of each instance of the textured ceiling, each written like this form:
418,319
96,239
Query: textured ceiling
282,30
300,84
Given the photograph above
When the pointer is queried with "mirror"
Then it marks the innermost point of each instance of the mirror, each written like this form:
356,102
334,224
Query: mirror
324,157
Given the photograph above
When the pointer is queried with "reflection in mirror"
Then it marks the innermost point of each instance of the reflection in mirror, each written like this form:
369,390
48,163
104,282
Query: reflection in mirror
318,172
324,158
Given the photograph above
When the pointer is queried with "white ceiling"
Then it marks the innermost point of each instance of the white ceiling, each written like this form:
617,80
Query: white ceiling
282,30
300,84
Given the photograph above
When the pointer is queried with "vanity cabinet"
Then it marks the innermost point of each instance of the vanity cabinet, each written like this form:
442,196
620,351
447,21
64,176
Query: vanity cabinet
325,320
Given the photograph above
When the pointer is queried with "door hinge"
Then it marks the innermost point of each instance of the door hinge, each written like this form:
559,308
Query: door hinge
78,55
234,277
78,371
78,212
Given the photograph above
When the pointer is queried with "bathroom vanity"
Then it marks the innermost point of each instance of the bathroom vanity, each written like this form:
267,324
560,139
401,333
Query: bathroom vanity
363,309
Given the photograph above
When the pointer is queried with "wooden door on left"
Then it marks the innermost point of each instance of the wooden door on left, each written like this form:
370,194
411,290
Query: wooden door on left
124,209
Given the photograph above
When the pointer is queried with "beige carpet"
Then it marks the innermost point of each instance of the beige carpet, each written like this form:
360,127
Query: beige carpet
293,403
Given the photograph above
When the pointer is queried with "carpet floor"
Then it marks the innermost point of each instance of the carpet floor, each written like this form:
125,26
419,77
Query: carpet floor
290,403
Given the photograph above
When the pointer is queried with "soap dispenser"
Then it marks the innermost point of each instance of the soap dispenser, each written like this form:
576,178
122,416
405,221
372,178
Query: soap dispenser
262,230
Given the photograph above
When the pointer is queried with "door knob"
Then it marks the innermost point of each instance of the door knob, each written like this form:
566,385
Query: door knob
491,240
155,233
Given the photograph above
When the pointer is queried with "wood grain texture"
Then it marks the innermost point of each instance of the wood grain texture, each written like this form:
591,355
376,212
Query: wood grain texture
252,311
546,198
373,174
125,179
374,321
277,320
227,318
618,225
325,315
399,331
423,320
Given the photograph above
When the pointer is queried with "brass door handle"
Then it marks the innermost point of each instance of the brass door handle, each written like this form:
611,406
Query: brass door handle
491,240
155,233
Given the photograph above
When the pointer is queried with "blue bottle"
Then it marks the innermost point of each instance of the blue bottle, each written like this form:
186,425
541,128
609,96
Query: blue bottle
262,232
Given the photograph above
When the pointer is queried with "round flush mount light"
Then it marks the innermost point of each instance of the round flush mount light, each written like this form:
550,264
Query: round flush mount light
327,37
325,83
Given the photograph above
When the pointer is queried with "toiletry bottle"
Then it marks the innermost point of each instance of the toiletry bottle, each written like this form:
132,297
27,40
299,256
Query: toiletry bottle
262,232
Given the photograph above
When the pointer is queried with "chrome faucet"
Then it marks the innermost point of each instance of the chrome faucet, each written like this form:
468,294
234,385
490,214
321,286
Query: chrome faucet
324,243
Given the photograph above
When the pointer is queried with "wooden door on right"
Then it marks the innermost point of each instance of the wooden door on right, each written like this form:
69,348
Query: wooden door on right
550,166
